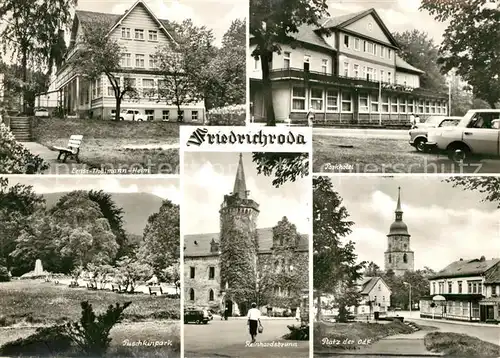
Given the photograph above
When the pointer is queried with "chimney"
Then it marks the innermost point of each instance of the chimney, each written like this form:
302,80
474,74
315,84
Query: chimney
482,259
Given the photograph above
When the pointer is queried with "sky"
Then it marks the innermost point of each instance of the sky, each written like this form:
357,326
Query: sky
445,223
214,14
208,176
398,15
164,188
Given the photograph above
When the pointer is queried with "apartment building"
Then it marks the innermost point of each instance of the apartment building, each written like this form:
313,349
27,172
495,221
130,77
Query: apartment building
351,73
465,290
140,33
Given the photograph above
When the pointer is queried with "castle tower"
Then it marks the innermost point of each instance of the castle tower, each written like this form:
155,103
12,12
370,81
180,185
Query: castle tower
399,256
238,241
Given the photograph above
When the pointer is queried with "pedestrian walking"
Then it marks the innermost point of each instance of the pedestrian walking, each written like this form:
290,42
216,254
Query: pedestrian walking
310,117
412,120
254,321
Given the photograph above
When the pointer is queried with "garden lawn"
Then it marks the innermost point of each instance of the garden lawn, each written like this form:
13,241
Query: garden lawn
31,302
355,331
375,155
460,345
104,142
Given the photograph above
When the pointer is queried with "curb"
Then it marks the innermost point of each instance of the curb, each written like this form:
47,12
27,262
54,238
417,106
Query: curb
375,354
470,324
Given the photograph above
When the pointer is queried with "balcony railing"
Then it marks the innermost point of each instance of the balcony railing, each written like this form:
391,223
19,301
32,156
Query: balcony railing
298,73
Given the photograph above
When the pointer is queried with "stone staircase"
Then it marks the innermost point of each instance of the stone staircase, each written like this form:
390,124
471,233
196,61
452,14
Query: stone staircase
412,325
21,128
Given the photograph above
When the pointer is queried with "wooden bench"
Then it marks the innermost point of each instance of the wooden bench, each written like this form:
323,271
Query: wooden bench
118,288
72,150
154,290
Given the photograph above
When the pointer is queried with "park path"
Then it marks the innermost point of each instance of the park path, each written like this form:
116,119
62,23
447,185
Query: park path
50,157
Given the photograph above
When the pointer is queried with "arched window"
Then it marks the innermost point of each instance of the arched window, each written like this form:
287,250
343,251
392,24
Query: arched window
191,294
405,259
211,295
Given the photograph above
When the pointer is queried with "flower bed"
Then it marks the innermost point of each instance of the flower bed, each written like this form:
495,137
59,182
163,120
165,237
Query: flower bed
15,159
234,115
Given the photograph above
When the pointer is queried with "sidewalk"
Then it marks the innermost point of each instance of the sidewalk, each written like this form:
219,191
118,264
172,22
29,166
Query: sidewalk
242,350
461,323
50,156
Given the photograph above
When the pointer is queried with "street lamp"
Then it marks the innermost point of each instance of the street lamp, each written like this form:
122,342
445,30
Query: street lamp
407,284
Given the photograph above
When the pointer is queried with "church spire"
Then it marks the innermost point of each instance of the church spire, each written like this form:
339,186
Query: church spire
240,185
399,211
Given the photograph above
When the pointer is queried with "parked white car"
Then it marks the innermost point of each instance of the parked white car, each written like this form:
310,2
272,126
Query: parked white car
418,134
41,112
477,134
132,115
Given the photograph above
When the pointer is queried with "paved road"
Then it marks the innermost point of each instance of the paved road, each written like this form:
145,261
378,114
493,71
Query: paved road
484,333
362,133
50,157
230,339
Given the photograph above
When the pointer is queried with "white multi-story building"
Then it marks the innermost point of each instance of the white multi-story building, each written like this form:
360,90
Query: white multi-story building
347,70
140,33
376,296
466,290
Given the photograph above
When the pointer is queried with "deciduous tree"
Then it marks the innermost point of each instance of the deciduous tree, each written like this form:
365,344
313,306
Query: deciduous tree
488,186
335,260
273,23
418,49
100,53
161,247
471,43
286,167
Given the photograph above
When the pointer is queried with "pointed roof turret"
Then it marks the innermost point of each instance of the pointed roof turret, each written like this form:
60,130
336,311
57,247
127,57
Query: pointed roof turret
398,207
240,185
398,227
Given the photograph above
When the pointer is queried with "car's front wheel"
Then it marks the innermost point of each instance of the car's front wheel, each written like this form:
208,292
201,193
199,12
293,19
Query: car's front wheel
420,144
458,153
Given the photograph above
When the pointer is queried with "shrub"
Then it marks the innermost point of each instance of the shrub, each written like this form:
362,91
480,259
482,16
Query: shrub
15,159
298,333
46,341
91,333
227,116
4,274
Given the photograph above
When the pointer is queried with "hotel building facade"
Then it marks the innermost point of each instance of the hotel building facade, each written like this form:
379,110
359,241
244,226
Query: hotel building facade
351,74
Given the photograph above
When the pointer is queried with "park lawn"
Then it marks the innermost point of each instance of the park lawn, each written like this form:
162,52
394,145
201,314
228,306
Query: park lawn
375,155
31,302
337,334
460,345
104,142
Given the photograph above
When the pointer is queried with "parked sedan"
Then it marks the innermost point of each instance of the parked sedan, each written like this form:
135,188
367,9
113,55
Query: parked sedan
196,316
418,134
41,112
477,134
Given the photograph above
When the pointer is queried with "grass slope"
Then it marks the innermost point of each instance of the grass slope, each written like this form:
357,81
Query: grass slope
31,302
375,155
460,345
104,141
336,336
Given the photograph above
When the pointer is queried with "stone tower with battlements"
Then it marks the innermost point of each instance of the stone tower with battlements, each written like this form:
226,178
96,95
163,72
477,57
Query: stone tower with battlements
238,242
399,257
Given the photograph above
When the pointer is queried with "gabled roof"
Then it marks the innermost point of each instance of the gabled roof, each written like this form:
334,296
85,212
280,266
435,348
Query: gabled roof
493,275
405,66
462,268
199,244
83,17
368,283
340,22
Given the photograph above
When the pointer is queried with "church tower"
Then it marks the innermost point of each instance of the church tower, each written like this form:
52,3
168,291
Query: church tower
399,257
238,242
